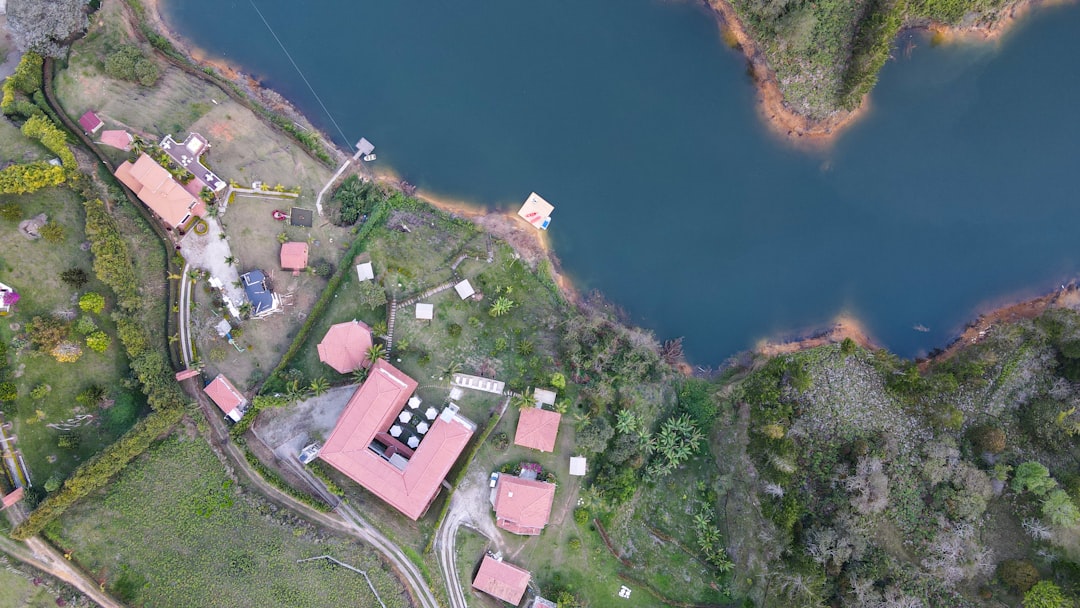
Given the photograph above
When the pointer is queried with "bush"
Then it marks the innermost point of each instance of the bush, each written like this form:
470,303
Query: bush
11,212
501,441
323,269
8,391
454,330
92,302
372,294
575,543
47,332
581,516
1045,595
1033,477
52,232
30,177
40,391
75,277
988,439
98,341
42,129
85,326
66,352
112,260
1019,574
69,440
129,63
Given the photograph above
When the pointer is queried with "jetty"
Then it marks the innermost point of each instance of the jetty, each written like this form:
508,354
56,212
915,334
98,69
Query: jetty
536,211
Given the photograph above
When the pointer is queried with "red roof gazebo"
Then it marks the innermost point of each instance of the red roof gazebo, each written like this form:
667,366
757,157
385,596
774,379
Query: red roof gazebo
345,346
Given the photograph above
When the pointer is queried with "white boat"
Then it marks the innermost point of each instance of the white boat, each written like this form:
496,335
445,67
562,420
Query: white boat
369,157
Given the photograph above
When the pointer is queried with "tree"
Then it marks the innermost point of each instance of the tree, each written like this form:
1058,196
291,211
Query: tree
323,269
988,439
92,302
523,400
1033,477
47,332
66,352
558,381
75,277
231,260
500,306
1060,510
375,352
8,392
1045,594
319,386
1019,574
98,341
372,295
45,26
594,436
626,422
359,375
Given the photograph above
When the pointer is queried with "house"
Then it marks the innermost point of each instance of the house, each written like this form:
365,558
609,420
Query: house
523,506
90,122
536,211
345,346
11,498
539,602
464,289
479,383
118,139
8,298
263,300
187,153
537,429
365,272
363,447
156,188
294,256
577,466
425,312
227,397
502,580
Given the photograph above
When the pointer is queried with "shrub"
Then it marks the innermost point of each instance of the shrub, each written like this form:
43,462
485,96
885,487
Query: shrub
30,177
41,128
47,332
52,232
218,354
558,381
988,439
92,302
323,269
1033,477
85,325
8,391
66,352
372,294
575,543
1045,594
581,516
1019,574
69,440
112,260
454,330
129,63
98,341
75,277
40,391
123,412
1059,509
11,212
501,441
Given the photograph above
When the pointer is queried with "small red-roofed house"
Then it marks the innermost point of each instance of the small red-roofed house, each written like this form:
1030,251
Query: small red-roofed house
118,139
11,499
294,256
523,506
502,580
345,346
227,397
537,429
362,446
90,122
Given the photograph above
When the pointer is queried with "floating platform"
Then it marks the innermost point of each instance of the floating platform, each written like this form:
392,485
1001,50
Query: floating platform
537,211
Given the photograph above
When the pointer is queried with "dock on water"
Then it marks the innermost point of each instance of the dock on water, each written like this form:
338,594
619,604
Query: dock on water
537,211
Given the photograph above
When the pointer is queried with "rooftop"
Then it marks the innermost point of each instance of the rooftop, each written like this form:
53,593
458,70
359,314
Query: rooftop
345,346
502,580
425,311
361,447
537,429
155,187
90,122
464,289
118,139
12,498
224,394
263,301
364,146
186,154
301,217
536,211
365,272
544,396
577,465
185,374
294,255
523,506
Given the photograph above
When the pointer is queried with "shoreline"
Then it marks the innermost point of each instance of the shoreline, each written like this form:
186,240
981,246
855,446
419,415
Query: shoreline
798,129
534,246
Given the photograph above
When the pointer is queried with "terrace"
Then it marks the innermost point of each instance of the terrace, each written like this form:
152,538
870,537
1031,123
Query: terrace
187,153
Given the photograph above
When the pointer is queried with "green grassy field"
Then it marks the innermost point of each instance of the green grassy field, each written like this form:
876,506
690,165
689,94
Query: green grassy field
174,530
33,269
18,591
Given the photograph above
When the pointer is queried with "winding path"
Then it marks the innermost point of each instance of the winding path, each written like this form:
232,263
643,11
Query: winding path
44,557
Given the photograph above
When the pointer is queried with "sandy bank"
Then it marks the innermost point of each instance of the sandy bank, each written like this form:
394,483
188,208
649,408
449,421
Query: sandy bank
843,327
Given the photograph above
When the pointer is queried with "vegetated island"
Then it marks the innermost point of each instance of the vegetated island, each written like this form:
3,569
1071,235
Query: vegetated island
815,62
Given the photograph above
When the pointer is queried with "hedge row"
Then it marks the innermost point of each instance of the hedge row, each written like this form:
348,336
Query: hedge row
26,79
377,217
96,472
274,478
30,177
39,127
112,260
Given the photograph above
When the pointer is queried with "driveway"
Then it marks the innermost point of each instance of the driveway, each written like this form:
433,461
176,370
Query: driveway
209,252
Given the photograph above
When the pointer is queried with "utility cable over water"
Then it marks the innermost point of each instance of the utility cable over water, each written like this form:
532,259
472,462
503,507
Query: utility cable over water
300,72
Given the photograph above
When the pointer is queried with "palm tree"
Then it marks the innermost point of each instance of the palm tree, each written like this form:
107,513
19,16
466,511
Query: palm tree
561,406
522,400
626,422
244,309
359,375
230,260
501,306
525,348
379,329
293,392
319,386
375,352
453,367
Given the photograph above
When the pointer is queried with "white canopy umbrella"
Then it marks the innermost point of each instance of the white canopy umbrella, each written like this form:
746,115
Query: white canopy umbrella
414,402
422,428
404,417
431,413
395,431
413,441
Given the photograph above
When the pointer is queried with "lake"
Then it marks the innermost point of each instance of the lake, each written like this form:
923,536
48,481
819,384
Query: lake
672,197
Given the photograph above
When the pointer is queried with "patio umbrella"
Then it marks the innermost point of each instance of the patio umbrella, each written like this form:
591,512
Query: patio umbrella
431,413
422,428
405,417
413,441
414,402
395,431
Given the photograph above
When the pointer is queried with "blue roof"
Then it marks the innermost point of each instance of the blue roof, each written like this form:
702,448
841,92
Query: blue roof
260,296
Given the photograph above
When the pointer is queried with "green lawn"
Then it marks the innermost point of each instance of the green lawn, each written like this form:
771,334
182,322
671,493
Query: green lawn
17,591
14,147
174,530
33,269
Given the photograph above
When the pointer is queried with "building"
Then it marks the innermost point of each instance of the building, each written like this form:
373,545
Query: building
345,346
363,447
537,429
464,289
539,602
502,580
90,122
263,300
523,506
544,396
425,312
12,498
365,272
118,139
157,189
185,374
294,256
227,397
187,153
479,383
364,147
578,466
536,211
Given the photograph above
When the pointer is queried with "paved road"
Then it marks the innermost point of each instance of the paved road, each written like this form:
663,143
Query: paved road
42,556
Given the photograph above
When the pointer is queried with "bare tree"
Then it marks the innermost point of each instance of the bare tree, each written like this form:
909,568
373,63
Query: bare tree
46,26
869,486
1036,529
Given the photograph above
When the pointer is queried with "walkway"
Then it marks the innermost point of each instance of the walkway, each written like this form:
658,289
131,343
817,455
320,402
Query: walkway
185,316
345,165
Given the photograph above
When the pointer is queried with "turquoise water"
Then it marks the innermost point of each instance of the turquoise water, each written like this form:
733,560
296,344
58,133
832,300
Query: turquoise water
954,193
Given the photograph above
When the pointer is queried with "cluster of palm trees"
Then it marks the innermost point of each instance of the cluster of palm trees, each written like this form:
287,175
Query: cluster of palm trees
501,306
710,542
679,438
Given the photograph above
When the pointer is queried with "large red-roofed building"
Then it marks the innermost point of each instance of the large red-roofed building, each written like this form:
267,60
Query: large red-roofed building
502,580
537,429
155,187
362,448
523,506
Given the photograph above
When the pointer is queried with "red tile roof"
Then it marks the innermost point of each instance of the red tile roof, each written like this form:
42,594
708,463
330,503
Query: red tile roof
90,122
187,373
372,409
224,394
523,506
154,185
502,580
537,429
12,498
294,256
345,345
117,139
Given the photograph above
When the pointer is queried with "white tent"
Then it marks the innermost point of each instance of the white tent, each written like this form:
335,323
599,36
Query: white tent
365,272
431,413
464,289
404,417
422,428
413,441
414,402
395,431
425,312
577,465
